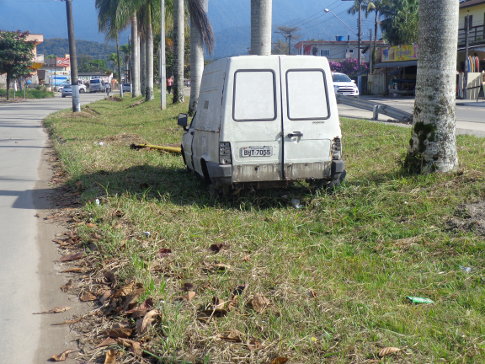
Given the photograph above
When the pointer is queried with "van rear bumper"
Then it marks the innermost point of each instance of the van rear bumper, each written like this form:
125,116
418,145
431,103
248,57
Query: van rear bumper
216,170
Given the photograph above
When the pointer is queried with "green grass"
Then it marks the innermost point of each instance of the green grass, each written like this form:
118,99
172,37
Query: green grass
30,93
336,272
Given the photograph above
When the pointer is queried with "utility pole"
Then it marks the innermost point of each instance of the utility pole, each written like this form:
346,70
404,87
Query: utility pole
287,33
76,105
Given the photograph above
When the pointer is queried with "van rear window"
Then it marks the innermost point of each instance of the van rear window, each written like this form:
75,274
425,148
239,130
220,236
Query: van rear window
254,95
306,91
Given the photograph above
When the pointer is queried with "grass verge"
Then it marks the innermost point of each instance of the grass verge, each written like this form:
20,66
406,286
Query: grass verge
30,93
192,279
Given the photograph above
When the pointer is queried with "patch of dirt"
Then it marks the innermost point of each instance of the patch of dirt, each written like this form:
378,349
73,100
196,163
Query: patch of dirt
81,115
124,139
470,217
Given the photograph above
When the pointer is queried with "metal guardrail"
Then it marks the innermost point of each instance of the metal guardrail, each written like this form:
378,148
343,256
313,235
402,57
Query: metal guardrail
377,108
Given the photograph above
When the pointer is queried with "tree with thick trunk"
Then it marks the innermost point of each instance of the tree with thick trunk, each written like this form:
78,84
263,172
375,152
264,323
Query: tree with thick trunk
178,88
200,34
433,142
163,60
261,27
135,57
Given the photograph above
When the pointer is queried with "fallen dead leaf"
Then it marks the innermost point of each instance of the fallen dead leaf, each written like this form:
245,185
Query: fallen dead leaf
141,309
150,317
123,332
110,357
279,360
91,225
62,356
260,303
134,346
254,344
54,310
76,270
312,293
87,296
164,252
232,336
388,351
71,257
190,295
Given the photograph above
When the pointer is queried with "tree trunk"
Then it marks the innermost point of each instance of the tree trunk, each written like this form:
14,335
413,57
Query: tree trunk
118,61
149,57
261,24
178,87
196,62
135,58
433,141
163,62
8,86
143,64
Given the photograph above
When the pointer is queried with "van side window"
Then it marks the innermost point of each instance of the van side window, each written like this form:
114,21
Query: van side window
254,96
307,96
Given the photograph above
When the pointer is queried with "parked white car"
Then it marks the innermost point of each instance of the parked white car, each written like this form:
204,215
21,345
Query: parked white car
344,85
265,120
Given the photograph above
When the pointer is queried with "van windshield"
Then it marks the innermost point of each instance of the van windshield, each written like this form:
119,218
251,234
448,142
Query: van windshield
307,95
254,96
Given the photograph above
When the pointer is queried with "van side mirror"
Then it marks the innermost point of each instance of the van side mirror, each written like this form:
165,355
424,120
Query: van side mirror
182,121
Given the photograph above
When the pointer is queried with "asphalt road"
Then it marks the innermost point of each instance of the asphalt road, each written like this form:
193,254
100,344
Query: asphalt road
470,115
28,280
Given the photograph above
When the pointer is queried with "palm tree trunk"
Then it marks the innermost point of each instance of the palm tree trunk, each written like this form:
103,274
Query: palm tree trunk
143,64
149,56
120,83
178,89
433,141
196,61
163,65
135,58
261,23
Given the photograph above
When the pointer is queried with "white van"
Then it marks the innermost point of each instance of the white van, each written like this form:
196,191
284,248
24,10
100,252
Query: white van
265,120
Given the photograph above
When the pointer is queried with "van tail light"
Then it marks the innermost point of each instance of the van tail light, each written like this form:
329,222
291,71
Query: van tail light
336,148
225,156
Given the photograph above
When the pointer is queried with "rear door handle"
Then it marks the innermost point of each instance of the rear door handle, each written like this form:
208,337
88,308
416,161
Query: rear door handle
297,134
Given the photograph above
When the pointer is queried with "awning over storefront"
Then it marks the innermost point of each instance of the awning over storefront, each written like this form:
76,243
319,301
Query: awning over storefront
396,64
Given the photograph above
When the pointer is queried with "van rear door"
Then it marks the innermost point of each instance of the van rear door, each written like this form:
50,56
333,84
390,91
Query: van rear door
255,126
305,115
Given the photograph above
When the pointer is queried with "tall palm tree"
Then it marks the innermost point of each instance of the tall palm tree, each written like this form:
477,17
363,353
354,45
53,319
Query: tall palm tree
179,13
261,23
163,62
433,142
200,34
115,15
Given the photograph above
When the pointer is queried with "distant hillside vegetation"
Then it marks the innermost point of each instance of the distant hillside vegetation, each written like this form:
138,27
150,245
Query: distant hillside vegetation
60,47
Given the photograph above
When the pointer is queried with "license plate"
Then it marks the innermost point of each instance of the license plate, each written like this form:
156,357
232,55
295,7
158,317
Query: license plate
256,151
